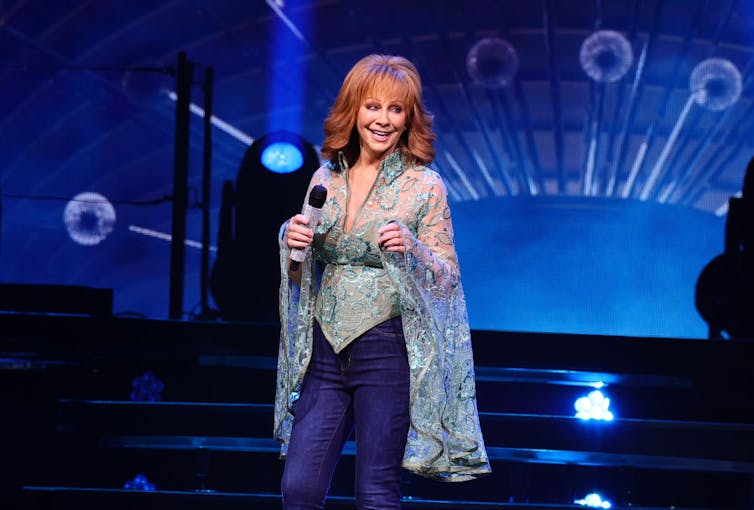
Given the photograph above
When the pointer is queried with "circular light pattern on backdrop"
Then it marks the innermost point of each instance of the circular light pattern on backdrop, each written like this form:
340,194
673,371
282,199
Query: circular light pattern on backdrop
606,56
716,84
89,218
492,62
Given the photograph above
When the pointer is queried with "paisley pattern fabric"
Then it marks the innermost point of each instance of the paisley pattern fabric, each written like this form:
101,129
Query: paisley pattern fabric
349,284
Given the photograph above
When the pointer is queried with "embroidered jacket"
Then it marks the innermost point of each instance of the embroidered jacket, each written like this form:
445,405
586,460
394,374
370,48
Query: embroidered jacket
361,285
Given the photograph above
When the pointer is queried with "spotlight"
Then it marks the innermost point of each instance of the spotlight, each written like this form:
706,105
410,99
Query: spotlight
282,157
593,407
593,500
139,483
282,152
147,388
270,188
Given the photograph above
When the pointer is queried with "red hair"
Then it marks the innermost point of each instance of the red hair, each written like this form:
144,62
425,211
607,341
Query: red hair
396,77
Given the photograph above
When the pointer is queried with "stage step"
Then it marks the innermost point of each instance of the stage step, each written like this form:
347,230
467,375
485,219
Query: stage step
682,437
209,445
656,444
114,499
667,379
620,358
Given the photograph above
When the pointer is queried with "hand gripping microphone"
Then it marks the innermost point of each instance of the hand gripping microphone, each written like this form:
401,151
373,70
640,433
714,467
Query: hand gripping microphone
312,210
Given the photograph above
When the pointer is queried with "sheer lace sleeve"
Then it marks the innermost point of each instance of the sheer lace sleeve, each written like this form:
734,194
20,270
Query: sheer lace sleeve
296,306
445,439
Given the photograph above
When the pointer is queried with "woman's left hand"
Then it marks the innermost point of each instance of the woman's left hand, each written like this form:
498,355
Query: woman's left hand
394,237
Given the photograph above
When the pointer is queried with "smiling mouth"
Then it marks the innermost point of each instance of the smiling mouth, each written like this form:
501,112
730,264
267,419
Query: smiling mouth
381,135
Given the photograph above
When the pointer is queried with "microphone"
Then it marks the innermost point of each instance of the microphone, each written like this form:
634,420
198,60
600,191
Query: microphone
312,210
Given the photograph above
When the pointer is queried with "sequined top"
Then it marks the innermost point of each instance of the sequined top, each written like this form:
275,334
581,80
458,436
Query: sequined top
350,285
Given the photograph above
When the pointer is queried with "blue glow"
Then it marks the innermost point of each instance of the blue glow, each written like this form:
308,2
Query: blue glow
584,265
147,388
282,157
139,483
593,500
290,29
594,406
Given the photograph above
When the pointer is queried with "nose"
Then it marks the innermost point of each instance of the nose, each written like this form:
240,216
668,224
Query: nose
382,118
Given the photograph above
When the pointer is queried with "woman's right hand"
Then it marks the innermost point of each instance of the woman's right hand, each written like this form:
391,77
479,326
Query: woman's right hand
299,235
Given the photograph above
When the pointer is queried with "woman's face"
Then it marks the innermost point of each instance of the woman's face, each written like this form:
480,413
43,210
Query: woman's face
380,123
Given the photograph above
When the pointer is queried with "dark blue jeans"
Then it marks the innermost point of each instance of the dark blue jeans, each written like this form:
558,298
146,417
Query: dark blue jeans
366,387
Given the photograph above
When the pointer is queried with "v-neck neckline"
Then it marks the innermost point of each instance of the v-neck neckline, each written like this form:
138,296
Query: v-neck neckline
347,230
390,168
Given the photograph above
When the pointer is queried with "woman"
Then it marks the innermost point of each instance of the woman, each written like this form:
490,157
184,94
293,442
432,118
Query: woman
374,331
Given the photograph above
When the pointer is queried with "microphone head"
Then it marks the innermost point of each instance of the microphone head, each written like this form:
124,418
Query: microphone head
317,196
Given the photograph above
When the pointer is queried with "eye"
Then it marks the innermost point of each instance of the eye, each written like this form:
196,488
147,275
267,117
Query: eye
372,106
396,107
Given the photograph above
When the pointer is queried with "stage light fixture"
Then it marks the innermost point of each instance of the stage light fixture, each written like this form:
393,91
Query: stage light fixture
594,406
593,500
147,388
283,152
282,157
273,177
139,483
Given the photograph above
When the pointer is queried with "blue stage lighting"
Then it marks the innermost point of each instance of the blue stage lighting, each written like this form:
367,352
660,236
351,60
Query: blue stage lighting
282,157
139,483
289,37
147,388
593,500
593,407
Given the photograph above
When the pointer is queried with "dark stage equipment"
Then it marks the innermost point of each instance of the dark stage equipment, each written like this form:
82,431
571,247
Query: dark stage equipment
725,288
68,299
269,189
184,81
180,185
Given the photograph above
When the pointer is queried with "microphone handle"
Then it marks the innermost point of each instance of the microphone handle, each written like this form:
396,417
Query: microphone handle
298,255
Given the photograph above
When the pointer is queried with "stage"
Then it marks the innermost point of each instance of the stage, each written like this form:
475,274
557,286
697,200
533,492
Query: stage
198,426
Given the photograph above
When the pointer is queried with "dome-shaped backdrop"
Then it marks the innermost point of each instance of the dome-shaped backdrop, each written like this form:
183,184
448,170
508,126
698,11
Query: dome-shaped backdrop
86,107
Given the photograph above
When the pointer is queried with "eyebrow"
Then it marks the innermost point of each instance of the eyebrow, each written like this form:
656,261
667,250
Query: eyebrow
391,101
